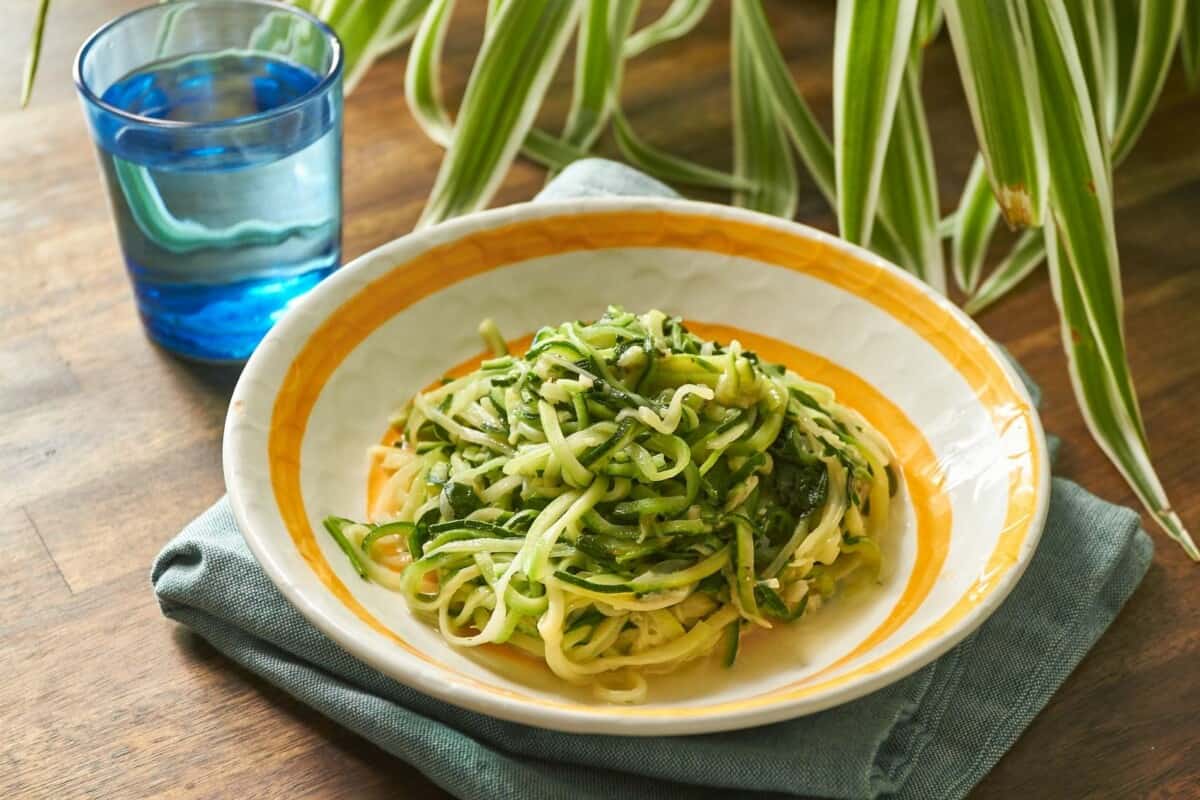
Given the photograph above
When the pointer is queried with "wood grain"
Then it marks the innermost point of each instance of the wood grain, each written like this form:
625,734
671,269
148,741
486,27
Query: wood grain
108,446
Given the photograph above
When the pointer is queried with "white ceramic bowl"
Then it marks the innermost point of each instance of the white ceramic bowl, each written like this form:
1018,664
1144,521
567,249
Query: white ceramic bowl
318,390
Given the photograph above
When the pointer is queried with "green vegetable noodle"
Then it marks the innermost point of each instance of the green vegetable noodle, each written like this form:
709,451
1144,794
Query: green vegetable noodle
622,499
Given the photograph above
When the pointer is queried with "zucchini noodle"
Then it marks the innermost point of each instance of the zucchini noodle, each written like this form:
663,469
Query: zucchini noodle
622,499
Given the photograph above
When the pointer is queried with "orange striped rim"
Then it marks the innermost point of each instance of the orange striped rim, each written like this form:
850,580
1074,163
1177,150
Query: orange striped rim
482,251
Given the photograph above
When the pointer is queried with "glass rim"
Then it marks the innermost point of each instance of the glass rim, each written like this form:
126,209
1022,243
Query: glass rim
331,74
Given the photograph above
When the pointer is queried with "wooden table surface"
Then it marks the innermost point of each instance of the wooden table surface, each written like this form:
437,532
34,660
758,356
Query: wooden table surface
108,446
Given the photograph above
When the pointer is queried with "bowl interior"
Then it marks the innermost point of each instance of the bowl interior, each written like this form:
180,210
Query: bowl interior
319,391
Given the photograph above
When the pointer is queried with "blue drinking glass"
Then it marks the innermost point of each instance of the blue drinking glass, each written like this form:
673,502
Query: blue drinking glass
218,128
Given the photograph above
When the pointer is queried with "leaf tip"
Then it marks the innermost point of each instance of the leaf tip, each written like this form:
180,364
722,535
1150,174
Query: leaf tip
1017,206
1171,523
27,81
1175,529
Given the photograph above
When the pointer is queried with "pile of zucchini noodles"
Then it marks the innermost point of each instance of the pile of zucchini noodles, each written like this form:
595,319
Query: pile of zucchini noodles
621,499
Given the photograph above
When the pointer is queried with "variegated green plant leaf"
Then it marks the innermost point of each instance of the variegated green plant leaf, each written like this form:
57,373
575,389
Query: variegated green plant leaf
811,142
401,30
1026,256
974,231
664,165
761,153
493,13
35,51
908,196
1101,401
871,46
887,246
659,163
946,225
1084,220
1084,269
679,18
591,98
1085,24
422,77
1125,34
929,21
551,152
622,15
598,61
422,89
1106,29
978,211
1189,45
1098,57
1159,24
363,25
973,225
503,94
999,79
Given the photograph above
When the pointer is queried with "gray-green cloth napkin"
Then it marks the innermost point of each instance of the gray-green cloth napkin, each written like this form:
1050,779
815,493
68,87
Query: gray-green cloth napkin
931,735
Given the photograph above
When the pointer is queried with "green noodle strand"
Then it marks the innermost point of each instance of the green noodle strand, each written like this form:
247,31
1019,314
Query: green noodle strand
622,499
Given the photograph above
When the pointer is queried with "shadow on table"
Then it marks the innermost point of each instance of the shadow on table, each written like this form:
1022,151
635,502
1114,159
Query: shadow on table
218,379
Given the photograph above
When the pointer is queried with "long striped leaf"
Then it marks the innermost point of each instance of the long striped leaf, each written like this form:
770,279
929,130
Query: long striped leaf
761,154
1159,23
665,166
974,222
1025,257
1101,401
591,98
1125,34
1096,53
1084,218
1094,43
1189,45
422,90
502,97
422,77
929,21
1084,269
353,21
679,19
598,70
1106,28
362,26
493,13
908,196
35,51
402,29
1085,24
811,142
887,246
549,151
620,24
871,45
1092,23
946,225
998,78
990,44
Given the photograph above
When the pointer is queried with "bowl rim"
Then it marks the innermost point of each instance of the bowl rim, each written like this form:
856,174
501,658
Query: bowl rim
430,679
